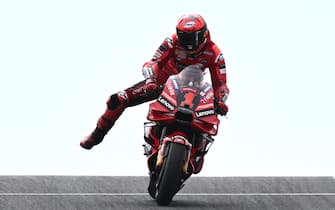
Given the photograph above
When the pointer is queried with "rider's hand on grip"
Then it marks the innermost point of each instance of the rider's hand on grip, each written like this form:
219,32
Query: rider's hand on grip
221,95
220,107
150,85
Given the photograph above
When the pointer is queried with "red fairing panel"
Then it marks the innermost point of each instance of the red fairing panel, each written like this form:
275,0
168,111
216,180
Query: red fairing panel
206,118
200,101
166,105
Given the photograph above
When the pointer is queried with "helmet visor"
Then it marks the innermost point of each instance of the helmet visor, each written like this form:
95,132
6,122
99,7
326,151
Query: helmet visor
188,40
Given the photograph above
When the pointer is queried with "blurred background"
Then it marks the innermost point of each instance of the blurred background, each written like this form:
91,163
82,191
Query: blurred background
61,60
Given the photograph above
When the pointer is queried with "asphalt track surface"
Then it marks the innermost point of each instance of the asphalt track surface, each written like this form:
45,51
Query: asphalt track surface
108,192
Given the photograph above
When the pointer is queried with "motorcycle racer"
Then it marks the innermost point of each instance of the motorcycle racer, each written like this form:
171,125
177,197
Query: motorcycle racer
191,44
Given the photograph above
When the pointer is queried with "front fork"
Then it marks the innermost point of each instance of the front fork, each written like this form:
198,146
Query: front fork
155,148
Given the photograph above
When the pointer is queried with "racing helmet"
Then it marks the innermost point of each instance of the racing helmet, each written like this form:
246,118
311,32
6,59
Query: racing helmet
192,32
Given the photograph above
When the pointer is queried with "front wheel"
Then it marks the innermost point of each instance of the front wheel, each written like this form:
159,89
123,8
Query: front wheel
171,174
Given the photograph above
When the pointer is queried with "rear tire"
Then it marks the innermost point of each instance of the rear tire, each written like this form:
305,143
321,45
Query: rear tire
171,174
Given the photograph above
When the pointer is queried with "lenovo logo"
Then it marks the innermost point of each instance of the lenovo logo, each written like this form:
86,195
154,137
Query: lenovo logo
166,103
205,113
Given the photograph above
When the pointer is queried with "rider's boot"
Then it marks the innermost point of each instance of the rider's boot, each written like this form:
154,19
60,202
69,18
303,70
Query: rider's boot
115,106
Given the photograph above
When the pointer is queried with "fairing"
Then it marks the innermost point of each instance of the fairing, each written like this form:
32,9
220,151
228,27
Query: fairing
186,96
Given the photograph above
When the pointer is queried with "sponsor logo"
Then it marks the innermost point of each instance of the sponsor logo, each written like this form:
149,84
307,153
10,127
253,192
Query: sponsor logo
219,58
165,103
205,113
222,66
208,53
208,96
223,71
123,95
169,42
204,61
189,24
180,54
163,48
157,54
170,89
147,72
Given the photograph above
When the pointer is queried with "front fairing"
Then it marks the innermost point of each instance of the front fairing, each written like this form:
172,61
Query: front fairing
187,104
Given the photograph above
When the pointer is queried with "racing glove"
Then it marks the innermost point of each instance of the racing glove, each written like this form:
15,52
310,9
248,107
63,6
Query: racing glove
221,96
220,107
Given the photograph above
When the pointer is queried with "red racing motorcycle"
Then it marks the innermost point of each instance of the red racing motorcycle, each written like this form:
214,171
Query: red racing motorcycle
179,133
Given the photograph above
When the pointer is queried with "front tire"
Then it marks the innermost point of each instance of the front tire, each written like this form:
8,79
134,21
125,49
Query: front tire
171,174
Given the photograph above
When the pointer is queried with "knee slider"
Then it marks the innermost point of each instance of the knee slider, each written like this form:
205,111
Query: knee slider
120,98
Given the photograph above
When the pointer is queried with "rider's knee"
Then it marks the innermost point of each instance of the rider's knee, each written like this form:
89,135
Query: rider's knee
117,99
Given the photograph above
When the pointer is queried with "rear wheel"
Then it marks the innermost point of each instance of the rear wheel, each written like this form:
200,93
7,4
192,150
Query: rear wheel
171,174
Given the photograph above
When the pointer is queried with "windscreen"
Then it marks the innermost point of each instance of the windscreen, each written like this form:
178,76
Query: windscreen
191,76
